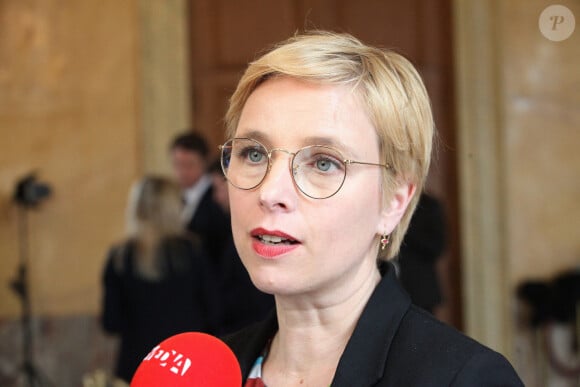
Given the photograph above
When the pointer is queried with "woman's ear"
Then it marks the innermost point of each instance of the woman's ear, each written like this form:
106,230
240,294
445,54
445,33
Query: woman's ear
395,208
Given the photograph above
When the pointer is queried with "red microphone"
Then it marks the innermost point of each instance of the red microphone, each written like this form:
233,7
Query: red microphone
187,360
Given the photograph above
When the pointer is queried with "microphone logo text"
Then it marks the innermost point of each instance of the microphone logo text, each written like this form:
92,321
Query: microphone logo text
177,363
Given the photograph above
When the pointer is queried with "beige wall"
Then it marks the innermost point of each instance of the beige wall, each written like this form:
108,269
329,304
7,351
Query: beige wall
91,92
541,118
519,130
164,78
541,97
68,102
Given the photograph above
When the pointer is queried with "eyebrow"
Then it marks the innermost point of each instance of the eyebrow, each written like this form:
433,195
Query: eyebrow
346,150
256,135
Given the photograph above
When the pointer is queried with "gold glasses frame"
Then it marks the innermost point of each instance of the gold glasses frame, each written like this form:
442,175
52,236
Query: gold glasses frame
293,169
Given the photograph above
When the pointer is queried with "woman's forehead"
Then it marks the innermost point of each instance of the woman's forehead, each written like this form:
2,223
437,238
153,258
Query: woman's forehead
305,113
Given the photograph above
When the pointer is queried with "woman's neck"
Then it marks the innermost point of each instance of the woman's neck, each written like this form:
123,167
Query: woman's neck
313,335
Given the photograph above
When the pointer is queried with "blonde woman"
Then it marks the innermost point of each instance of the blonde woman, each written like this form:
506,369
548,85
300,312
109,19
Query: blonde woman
157,282
329,146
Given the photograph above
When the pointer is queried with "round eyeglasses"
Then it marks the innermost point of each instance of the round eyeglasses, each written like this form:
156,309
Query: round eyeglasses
318,171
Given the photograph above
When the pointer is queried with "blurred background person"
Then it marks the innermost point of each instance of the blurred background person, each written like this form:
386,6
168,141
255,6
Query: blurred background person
242,303
157,282
220,186
202,215
420,251
205,214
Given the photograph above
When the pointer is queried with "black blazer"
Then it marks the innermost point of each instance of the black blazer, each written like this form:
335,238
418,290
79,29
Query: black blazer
396,344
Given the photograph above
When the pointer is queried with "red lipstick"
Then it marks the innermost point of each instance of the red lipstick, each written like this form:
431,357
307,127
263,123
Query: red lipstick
272,243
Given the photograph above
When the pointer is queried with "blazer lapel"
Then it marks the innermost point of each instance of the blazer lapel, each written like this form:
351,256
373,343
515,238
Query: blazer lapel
363,362
250,343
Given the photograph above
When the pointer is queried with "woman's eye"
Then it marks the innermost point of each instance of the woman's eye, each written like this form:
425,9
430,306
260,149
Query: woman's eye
255,156
323,164
252,155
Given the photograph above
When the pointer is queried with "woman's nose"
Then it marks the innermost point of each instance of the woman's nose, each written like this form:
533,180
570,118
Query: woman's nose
278,191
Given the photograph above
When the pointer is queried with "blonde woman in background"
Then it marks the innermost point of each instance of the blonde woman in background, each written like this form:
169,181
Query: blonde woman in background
158,281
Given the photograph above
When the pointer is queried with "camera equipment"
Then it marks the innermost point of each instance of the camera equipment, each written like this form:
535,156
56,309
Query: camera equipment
28,193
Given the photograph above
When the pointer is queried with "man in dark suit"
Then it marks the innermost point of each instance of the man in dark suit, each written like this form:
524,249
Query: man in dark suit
422,247
203,216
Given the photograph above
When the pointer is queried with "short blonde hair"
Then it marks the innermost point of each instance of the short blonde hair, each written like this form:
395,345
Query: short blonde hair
389,87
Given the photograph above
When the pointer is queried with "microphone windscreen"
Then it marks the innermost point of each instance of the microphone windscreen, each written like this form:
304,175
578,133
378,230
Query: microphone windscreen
187,360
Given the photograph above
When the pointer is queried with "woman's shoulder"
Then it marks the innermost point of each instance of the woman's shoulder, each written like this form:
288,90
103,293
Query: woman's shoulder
427,349
183,253
119,256
421,326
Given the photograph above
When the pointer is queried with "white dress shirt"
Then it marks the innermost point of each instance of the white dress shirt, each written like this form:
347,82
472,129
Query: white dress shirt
193,195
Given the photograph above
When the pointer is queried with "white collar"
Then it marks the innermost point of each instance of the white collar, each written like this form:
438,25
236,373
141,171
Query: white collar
194,194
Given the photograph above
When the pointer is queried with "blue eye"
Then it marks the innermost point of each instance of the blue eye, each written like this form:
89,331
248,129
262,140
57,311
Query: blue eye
255,156
323,164
326,163
319,160
252,154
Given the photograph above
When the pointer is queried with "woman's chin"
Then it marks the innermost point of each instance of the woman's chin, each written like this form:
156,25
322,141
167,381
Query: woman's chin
266,283
274,284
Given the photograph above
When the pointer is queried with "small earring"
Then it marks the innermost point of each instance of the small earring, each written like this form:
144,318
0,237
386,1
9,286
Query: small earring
385,241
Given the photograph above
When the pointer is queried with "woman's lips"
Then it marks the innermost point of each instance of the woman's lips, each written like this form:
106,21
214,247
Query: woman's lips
272,243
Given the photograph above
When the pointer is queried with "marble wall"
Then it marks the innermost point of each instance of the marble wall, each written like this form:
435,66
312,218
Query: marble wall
519,121
541,110
541,117
68,102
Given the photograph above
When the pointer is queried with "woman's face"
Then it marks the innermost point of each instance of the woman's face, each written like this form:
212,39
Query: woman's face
334,240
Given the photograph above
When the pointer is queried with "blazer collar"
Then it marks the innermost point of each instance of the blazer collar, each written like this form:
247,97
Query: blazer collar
250,343
364,359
